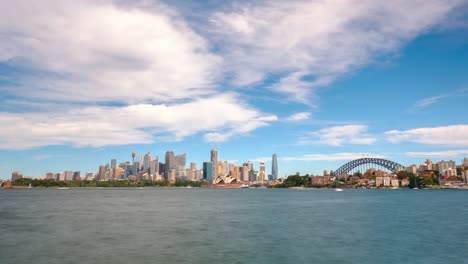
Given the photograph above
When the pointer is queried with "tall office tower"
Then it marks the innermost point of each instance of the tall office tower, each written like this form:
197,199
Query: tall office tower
261,173
154,166
274,167
250,165
77,175
15,176
180,161
192,172
162,169
113,164
224,168
208,171
172,176
58,176
170,163
193,166
101,173
245,172
135,168
147,161
68,175
214,162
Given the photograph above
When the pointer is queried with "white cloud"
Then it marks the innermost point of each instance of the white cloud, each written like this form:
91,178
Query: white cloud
454,136
312,43
339,135
96,51
135,124
299,116
438,154
345,156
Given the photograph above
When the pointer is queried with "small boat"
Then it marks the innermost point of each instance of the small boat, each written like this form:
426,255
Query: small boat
189,187
244,186
63,188
29,187
338,190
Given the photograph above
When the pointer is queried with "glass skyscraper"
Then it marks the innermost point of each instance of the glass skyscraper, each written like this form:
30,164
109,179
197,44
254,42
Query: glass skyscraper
274,168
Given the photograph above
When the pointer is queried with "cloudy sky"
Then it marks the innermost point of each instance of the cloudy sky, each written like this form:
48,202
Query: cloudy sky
317,82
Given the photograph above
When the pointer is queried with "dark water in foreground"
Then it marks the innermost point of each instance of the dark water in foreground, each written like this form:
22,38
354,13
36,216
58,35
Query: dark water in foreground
233,226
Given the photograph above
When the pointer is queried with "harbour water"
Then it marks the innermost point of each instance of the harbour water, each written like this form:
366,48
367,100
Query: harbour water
233,226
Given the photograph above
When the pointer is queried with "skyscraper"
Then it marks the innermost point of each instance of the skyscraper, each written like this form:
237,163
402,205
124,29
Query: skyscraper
113,163
261,173
147,161
214,163
208,171
170,163
180,161
154,166
274,168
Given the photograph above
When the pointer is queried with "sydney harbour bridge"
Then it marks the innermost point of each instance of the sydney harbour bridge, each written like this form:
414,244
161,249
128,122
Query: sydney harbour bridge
363,164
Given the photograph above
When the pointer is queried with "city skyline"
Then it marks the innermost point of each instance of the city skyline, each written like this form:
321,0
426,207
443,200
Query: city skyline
245,79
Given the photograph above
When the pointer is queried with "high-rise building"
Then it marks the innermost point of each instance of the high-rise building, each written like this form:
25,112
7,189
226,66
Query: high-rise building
170,163
446,165
76,175
261,173
68,175
15,176
147,161
224,168
113,163
50,175
101,173
208,171
274,167
465,162
162,169
214,162
180,161
245,172
154,166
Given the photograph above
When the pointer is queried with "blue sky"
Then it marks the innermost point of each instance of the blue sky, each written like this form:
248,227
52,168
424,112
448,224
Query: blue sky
318,83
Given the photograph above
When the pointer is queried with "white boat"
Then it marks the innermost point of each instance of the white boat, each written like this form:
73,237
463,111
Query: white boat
244,186
338,190
29,187
63,188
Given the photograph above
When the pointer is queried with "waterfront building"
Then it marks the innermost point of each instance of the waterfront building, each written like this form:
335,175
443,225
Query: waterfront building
180,161
395,183
113,164
274,168
379,181
412,169
50,176
447,166
465,176
61,176
214,163
101,173
245,172
172,176
76,175
261,173
386,181
154,166
169,164
68,175
207,171
147,162
465,162
15,176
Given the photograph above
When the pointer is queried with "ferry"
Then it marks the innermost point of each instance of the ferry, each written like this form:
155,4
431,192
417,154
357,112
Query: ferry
244,186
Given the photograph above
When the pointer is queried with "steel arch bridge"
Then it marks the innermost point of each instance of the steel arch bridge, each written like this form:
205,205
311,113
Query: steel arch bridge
388,164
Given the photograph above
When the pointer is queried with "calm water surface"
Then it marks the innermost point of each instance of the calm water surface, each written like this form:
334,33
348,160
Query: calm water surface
233,226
